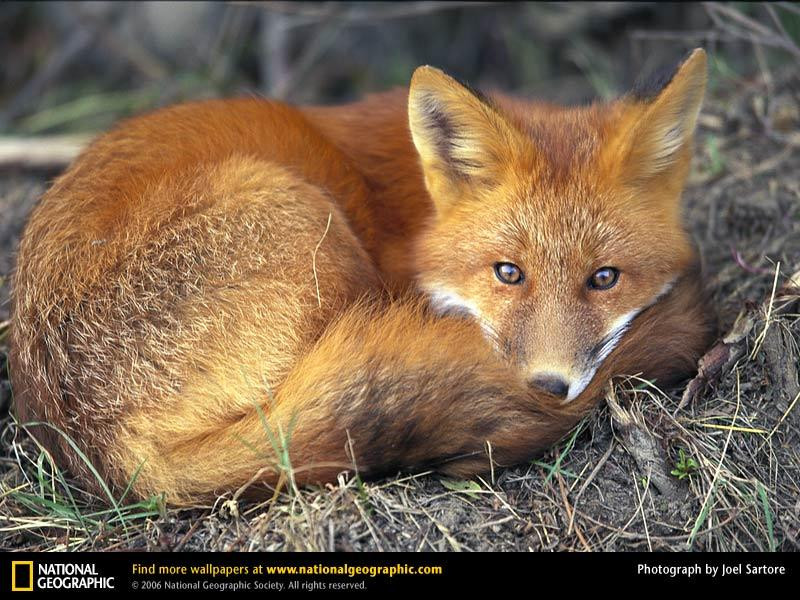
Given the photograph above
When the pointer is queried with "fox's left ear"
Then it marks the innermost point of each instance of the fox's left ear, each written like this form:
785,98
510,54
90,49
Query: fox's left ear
660,139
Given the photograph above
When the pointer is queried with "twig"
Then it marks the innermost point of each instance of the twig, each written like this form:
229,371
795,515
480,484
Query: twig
790,7
783,418
568,508
386,10
320,43
752,31
314,258
491,460
774,16
686,36
700,516
274,40
76,44
641,497
760,339
443,530
619,532
589,480
46,152
643,447
737,16
739,260
500,498
125,46
186,537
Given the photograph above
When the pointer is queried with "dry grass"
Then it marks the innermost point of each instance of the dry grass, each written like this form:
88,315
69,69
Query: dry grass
713,467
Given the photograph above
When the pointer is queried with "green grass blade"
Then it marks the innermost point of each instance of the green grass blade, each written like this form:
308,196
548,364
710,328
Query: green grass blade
762,493
87,462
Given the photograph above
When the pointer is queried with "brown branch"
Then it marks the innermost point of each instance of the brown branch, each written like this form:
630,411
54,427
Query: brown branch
749,29
379,11
46,152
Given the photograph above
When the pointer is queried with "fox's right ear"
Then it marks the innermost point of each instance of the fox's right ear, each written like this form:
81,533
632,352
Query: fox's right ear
459,136
670,104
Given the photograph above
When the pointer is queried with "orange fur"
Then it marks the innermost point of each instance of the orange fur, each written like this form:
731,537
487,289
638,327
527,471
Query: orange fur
217,285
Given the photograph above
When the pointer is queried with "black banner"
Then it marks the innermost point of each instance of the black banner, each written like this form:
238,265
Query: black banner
136,573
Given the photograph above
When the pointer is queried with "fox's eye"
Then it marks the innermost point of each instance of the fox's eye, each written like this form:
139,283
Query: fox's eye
508,272
604,278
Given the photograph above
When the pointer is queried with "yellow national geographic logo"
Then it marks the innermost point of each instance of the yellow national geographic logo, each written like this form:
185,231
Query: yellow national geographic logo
57,576
21,575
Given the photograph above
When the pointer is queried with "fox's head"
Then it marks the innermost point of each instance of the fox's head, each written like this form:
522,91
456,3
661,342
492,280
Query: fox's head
554,227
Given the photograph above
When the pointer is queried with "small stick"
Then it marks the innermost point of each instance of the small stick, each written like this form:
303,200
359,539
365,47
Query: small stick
589,480
46,152
568,508
760,338
314,258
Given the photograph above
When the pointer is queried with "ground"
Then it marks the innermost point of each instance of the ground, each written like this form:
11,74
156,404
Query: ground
712,465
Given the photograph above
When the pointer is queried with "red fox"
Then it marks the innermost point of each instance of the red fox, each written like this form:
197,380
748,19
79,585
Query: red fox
221,294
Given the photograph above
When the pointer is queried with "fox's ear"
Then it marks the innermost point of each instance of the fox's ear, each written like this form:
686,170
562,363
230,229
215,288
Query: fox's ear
660,138
459,135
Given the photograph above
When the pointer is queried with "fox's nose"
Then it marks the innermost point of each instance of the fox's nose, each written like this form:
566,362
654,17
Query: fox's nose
552,383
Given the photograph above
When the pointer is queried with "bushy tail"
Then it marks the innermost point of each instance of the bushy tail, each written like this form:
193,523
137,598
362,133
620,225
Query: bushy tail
383,390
